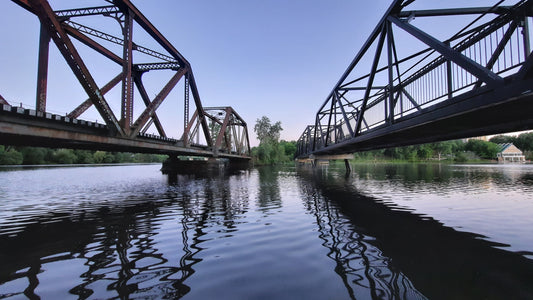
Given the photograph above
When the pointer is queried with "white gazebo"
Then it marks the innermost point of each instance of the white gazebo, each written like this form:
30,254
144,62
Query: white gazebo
510,154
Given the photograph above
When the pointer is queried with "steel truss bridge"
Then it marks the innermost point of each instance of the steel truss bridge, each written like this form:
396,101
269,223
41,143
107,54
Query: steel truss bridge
213,132
409,85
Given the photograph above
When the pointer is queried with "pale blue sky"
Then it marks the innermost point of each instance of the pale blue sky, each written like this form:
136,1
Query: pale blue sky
276,58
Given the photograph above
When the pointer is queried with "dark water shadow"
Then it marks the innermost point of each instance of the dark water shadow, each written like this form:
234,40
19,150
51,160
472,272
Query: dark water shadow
117,242
397,254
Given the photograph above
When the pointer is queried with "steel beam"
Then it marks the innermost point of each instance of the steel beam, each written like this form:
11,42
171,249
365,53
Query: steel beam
152,107
70,54
88,103
42,70
126,114
454,11
125,5
199,108
88,11
344,114
75,33
146,99
115,40
222,131
484,74
371,79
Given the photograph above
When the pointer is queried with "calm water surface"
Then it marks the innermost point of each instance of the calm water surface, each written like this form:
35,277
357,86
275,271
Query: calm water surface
412,231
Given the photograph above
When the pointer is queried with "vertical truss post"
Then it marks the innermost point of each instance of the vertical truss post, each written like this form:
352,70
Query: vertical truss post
127,65
199,108
389,118
329,120
449,75
186,102
42,69
525,33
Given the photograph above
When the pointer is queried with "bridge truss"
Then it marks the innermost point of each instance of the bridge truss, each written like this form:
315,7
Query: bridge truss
410,85
123,131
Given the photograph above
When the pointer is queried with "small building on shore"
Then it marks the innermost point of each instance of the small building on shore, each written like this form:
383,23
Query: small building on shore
510,154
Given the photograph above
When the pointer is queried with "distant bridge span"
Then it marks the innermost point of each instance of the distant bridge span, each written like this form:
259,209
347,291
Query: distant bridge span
407,86
211,131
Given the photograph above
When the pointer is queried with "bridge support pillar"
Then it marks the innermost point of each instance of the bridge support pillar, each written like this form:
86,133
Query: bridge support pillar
316,160
202,165
347,165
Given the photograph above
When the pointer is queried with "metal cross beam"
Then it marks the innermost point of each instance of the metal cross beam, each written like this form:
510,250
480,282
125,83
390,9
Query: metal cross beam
410,77
134,61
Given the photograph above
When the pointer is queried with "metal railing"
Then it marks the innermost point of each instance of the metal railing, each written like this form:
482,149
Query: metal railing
492,47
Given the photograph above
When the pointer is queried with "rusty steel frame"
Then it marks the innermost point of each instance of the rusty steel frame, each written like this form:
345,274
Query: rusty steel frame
58,26
470,63
230,131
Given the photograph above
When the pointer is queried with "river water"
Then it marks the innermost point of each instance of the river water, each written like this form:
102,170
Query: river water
384,231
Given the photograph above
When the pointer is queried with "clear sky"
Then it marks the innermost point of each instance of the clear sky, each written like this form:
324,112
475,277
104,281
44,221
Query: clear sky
273,58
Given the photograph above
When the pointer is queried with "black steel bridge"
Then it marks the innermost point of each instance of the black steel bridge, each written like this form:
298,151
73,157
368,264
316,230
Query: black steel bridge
211,131
409,84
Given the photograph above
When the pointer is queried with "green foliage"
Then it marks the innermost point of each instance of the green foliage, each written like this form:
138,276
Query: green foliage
503,139
523,142
84,157
64,156
102,157
270,151
289,148
266,132
39,156
461,158
10,156
487,150
447,150
33,156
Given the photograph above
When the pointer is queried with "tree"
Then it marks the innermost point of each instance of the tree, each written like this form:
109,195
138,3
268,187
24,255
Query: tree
267,132
524,141
33,155
425,151
487,150
289,148
84,157
443,148
64,156
503,139
269,151
10,156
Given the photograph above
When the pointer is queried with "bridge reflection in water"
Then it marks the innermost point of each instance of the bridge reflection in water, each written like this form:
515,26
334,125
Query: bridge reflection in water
200,235
385,252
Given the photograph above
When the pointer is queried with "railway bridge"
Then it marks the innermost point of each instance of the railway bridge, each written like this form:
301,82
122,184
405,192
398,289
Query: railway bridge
107,33
410,83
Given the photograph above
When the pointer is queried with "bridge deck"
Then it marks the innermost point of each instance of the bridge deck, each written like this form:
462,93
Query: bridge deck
465,116
25,127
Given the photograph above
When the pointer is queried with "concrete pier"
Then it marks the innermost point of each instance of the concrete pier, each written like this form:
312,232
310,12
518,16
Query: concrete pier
202,165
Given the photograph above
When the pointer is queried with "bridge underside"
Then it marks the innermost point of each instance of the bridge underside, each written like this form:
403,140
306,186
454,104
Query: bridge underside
464,116
211,131
25,129
425,86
